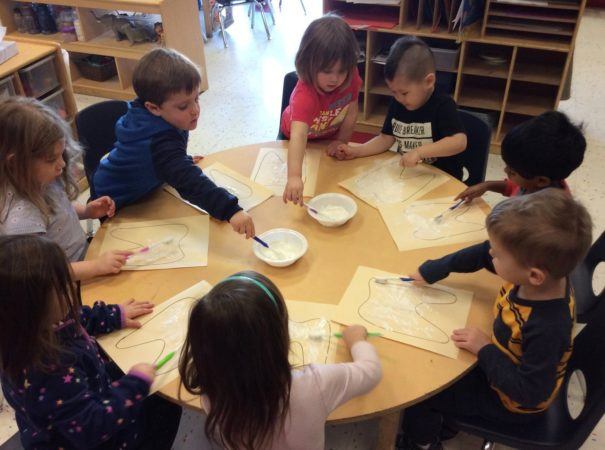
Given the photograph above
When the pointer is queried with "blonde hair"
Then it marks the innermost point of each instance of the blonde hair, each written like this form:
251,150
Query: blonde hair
547,229
29,130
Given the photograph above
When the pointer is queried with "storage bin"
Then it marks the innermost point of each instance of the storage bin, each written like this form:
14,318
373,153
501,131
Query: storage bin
97,68
7,89
445,59
55,101
39,78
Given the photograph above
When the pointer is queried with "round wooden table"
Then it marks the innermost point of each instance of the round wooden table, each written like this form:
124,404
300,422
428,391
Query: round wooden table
410,374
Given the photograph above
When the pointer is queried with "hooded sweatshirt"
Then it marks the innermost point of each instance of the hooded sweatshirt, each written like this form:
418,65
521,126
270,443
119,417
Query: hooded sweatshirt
149,152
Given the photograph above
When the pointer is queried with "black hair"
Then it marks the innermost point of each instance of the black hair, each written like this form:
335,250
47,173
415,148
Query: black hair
547,145
411,57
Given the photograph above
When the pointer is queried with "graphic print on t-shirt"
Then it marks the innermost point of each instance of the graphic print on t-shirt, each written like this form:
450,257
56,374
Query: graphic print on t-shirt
331,118
409,136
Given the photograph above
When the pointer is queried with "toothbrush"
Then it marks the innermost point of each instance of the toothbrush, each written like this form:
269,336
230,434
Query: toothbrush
314,211
339,335
164,360
387,280
260,241
157,244
440,217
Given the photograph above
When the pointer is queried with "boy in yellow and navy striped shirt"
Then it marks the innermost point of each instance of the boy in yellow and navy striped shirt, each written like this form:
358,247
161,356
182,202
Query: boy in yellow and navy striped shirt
535,241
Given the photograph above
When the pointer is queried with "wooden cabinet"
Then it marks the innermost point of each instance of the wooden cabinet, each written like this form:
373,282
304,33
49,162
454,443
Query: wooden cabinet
182,32
510,66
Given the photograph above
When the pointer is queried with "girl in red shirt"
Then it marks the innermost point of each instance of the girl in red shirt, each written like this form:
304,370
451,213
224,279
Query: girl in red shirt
323,105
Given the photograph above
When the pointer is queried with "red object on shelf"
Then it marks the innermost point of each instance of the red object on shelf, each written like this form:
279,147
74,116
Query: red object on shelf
359,21
595,4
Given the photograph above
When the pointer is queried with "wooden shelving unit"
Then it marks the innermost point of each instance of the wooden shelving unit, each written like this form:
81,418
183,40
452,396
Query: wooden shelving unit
182,31
510,66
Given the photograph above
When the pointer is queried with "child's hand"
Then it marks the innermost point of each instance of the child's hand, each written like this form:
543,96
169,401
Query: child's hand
101,207
333,147
294,191
242,223
111,261
197,158
353,334
472,192
418,279
410,159
132,309
344,152
471,339
146,369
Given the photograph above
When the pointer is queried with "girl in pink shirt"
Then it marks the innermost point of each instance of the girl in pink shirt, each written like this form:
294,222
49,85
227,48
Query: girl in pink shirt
236,357
323,105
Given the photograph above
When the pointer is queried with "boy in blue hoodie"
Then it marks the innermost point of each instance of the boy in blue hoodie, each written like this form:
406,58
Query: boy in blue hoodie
151,147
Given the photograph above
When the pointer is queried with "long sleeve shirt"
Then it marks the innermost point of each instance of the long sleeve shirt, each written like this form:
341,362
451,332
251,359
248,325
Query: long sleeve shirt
75,403
317,390
531,340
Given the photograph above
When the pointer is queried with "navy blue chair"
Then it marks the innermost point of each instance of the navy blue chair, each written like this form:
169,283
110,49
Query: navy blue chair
290,80
581,280
558,428
474,158
96,132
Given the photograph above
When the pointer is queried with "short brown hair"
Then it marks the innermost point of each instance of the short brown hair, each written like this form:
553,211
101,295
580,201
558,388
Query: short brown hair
547,229
163,72
326,41
411,57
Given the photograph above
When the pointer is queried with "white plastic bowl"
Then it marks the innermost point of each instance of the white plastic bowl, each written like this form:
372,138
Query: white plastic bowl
288,247
323,201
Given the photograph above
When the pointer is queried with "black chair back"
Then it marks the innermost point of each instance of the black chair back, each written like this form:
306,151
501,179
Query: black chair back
290,80
96,132
557,428
582,281
474,158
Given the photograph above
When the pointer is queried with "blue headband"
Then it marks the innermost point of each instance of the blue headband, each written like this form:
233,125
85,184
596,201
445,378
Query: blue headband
258,283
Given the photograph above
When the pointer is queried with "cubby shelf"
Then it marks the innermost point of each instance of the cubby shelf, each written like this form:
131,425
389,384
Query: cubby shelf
534,40
182,31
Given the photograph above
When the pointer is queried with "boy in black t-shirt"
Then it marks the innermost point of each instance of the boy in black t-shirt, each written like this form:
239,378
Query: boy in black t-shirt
422,125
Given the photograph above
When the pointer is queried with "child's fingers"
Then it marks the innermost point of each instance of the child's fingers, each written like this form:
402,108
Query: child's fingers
130,301
130,323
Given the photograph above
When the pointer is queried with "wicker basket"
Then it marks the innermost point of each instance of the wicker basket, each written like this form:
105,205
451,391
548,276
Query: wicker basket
97,68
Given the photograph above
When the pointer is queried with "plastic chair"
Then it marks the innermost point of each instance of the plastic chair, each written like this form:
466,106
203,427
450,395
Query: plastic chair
96,132
301,4
557,428
259,5
474,158
582,281
290,80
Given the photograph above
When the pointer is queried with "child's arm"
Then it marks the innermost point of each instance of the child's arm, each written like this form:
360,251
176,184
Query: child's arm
479,189
470,259
448,146
102,318
533,380
341,382
83,416
296,153
175,167
108,263
374,146
95,209
346,129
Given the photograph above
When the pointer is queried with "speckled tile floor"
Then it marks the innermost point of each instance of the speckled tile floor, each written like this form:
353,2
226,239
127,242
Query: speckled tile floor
242,107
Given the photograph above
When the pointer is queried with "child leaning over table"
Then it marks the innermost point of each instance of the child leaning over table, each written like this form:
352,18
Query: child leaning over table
151,146
538,153
535,241
423,124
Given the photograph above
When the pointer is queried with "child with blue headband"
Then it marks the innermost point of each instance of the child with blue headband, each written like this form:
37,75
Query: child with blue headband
236,358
